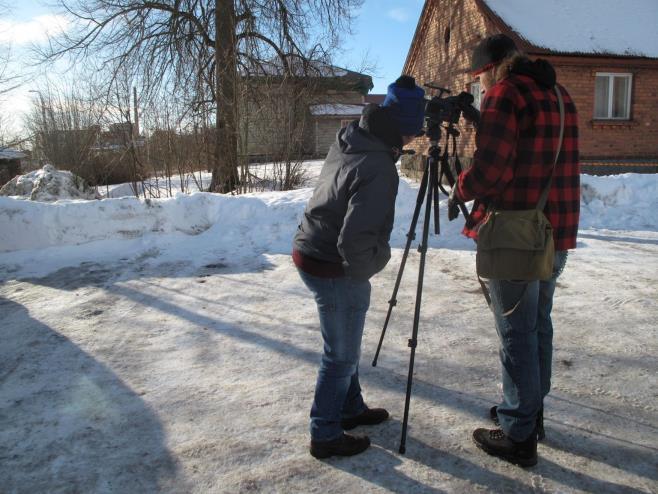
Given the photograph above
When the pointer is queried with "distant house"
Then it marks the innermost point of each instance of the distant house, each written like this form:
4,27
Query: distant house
605,53
327,119
330,117
10,164
299,114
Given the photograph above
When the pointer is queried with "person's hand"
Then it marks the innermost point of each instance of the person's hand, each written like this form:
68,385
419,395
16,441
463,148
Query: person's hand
453,204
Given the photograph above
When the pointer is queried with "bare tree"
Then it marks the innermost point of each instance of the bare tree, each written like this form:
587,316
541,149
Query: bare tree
77,127
207,45
9,81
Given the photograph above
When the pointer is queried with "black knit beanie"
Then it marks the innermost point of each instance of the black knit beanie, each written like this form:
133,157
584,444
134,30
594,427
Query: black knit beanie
379,121
490,52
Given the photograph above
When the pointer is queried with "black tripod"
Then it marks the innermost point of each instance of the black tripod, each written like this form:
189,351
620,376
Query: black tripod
428,191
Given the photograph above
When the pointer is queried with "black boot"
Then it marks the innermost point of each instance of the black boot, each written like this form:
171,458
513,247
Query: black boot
370,416
541,434
345,445
496,443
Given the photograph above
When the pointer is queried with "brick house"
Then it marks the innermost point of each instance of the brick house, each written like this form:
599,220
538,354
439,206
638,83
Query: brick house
609,67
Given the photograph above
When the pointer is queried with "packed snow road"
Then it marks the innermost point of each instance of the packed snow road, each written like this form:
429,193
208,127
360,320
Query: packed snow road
170,362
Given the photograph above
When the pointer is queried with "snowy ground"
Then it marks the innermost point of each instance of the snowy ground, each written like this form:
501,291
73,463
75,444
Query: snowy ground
261,176
169,346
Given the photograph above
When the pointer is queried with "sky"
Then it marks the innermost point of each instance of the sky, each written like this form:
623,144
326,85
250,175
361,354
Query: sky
382,33
22,25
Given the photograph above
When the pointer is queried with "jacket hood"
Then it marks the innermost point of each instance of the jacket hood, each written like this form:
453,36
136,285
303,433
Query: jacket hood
354,140
539,70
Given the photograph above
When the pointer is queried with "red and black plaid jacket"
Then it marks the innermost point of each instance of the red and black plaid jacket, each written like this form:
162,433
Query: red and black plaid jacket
516,143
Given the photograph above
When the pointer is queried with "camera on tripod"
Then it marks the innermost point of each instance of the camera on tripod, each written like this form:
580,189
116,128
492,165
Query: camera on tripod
437,167
449,109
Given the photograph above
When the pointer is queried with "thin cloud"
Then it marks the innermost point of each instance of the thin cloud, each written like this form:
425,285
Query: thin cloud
32,31
399,14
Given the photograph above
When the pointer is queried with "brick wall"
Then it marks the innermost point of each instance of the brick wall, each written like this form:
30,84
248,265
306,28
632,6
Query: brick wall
443,57
446,60
600,139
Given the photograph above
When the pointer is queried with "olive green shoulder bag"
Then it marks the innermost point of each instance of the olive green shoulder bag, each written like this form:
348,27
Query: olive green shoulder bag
518,245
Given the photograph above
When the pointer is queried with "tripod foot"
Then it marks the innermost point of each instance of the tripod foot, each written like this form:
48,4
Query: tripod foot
403,449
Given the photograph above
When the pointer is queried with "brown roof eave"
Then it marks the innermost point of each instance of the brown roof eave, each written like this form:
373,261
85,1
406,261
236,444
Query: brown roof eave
593,59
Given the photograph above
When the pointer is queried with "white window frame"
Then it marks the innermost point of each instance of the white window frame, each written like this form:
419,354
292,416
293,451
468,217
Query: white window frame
477,94
611,77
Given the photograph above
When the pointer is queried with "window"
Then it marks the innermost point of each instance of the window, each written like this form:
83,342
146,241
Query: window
612,96
476,91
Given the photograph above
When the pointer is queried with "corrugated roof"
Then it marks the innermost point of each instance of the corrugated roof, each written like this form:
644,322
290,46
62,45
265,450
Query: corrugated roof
336,109
10,154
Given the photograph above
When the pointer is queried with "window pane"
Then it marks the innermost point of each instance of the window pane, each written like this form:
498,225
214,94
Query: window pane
477,95
620,97
601,96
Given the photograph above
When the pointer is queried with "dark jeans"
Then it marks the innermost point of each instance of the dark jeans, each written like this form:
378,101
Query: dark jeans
526,347
342,306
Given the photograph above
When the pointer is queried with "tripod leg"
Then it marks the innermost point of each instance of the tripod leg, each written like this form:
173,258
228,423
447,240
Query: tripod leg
410,237
419,293
447,172
435,196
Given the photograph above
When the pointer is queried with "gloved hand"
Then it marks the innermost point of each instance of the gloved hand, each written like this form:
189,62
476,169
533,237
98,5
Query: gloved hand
453,204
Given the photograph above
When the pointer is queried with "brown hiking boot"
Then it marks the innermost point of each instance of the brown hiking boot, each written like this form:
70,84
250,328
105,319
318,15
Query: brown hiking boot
496,443
345,445
541,433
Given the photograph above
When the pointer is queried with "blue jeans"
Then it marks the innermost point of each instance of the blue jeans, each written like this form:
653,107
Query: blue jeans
526,347
342,306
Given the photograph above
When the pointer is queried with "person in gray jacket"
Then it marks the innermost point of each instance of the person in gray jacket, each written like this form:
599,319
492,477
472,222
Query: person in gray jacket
342,241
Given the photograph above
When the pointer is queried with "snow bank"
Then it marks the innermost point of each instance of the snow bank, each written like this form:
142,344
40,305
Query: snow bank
48,184
619,202
267,221
34,225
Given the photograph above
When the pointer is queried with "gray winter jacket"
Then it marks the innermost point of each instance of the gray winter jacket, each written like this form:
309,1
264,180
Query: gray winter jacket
350,216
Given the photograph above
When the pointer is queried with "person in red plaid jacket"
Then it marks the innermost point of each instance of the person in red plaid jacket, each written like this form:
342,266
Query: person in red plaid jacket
516,141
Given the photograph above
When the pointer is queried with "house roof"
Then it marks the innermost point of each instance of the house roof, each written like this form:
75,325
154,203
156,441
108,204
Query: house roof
329,75
588,27
10,154
336,110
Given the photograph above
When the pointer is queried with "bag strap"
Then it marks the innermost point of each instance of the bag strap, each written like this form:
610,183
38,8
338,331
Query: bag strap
544,194
487,297
540,205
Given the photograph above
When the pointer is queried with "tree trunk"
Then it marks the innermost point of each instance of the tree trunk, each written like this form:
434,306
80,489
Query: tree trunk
225,171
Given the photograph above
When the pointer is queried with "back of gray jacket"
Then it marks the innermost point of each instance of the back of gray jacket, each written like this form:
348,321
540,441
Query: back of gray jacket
350,216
